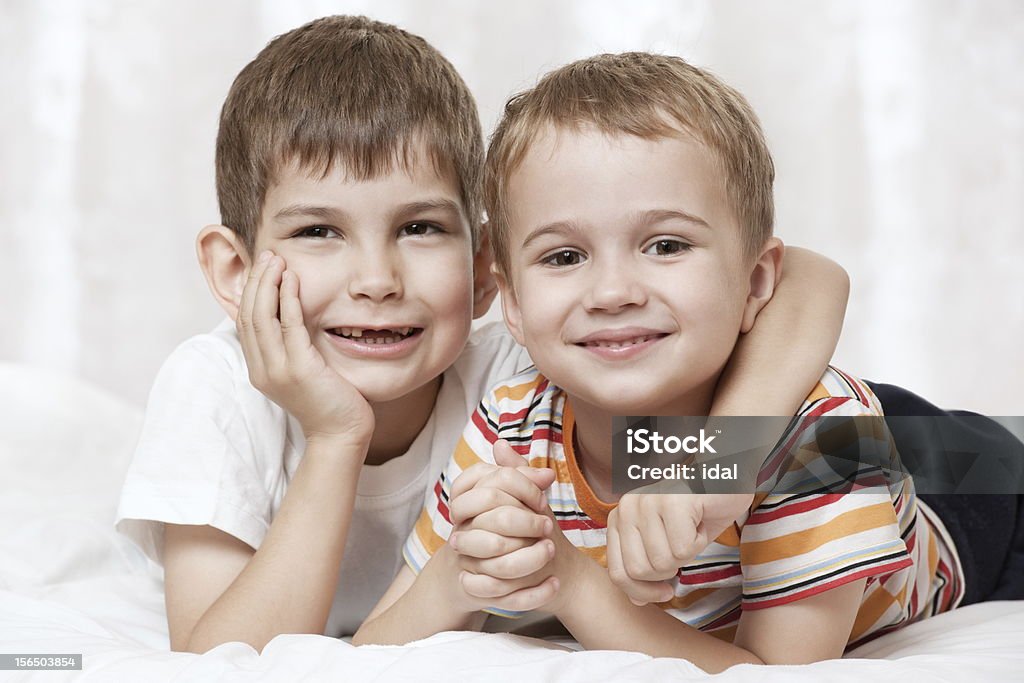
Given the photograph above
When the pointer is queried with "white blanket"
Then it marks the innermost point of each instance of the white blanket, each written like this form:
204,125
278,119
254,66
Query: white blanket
69,584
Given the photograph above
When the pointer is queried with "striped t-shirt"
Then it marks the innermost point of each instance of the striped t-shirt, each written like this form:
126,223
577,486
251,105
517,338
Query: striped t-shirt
789,546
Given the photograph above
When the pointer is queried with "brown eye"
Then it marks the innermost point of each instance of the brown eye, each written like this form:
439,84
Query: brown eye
420,229
667,247
316,232
563,258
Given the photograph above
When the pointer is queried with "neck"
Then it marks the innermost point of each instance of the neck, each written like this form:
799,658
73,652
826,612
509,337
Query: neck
400,421
593,433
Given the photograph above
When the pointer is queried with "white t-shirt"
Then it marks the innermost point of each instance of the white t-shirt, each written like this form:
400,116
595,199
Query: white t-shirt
215,451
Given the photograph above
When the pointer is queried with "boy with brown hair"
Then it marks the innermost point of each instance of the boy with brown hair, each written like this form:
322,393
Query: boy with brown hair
630,199
285,455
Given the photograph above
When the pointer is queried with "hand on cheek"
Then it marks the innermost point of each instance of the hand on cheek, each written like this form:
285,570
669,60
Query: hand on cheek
284,364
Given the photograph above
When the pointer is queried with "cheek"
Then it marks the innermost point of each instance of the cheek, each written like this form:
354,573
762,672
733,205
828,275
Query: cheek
317,285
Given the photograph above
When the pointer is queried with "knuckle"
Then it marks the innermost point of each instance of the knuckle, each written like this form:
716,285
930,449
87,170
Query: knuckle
662,563
634,568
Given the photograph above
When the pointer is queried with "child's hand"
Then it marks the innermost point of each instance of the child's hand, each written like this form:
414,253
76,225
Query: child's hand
284,364
652,535
502,524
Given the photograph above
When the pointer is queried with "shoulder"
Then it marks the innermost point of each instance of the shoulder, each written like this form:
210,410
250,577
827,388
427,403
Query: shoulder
840,393
219,351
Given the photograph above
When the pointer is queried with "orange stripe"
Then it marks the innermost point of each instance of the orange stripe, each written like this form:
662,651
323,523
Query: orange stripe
465,457
517,392
800,542
595,508
871,610
431,541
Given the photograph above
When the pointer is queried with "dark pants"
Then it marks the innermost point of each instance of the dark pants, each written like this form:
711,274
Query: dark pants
987,529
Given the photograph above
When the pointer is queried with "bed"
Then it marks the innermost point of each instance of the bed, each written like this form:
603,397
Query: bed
69,584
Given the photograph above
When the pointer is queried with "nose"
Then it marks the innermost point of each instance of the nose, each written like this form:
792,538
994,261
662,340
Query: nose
376,275
613,286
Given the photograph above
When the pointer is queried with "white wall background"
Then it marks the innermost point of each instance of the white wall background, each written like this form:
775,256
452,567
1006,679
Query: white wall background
897,128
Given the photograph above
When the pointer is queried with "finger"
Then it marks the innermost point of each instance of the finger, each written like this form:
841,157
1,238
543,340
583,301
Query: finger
515,521
528,599
644,592
293,327
505,455
469,478
483,544
243,322
485,587
639,592
542,477
657,550
634,556
265,322
682,524
514,565
477,501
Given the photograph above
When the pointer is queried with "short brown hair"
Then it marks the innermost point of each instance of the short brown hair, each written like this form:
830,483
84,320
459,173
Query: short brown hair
344,90
649,96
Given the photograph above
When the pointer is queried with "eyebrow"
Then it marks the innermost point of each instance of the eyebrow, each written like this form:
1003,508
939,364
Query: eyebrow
296,210
644,217
328,213
659,215
556,228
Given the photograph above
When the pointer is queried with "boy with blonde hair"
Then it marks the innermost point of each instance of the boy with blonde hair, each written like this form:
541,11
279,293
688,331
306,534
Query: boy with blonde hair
631,210
285,455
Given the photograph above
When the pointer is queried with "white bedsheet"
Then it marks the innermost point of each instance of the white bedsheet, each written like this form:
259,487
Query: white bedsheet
69,584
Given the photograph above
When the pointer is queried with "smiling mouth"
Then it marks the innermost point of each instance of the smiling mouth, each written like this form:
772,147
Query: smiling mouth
620,343
375,337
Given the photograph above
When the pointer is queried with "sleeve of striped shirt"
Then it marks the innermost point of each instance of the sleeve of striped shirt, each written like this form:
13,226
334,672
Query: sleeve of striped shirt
798,544
433,527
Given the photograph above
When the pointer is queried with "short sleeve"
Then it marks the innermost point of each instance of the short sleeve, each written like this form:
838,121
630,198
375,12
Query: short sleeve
197,461
803,540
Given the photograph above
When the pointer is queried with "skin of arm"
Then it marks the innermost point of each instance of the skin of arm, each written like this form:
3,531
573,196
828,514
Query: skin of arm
809,630
771,371
781,359
217,588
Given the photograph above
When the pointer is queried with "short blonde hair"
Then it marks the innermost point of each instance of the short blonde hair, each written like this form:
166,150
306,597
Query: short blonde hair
346,90
649,96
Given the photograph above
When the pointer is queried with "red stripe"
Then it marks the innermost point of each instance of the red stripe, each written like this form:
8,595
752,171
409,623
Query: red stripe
441,507
484,427
694,577
578,524
793,508
507,418
855,386
803,423
727,619
821,588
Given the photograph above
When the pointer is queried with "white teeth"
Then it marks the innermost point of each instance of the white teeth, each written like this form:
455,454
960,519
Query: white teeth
357,333
619,344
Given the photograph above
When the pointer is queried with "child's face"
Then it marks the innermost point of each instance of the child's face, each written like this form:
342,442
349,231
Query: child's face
630,281
385,270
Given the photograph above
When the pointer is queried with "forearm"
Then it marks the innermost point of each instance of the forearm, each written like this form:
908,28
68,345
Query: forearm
429,606
289,584
607,620
781,359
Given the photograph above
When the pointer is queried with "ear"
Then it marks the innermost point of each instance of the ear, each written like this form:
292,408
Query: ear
225,263
763,278
484,286
509,306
